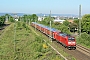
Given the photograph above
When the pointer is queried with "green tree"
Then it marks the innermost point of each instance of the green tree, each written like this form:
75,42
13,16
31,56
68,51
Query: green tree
72,27
10,18
25,17
86,23
30,18
2,20
34,17
64,29
76,21
66,23
47,20
57,23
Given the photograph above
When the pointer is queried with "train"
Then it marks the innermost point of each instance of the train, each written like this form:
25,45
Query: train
66,40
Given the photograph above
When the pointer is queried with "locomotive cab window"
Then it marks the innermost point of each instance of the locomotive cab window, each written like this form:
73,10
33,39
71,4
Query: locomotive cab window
70,38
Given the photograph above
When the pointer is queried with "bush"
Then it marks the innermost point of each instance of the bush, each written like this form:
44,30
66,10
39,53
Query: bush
24,25
84,39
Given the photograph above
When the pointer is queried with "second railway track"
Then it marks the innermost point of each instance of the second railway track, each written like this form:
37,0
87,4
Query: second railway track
83,49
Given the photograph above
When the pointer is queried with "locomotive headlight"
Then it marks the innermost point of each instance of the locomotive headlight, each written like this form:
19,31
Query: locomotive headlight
71,43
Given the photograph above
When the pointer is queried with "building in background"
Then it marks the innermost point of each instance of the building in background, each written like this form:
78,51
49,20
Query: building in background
58,20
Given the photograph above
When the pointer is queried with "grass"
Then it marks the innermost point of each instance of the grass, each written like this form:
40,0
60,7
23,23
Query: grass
24,45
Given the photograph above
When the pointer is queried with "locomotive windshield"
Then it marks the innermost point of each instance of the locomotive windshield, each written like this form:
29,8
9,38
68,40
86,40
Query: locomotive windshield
71,38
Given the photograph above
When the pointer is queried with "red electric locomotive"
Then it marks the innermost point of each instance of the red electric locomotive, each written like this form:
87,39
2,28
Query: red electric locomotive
65,39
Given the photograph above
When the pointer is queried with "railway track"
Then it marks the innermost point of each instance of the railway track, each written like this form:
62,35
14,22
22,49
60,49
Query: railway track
83,49
3,29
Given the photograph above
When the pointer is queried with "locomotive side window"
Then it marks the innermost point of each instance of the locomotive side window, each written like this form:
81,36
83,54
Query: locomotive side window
70,38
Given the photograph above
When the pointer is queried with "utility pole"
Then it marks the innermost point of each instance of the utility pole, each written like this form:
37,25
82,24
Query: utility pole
35,23
50,26
6,19
14,38
79,20
29,21
41,16
9,18
50,31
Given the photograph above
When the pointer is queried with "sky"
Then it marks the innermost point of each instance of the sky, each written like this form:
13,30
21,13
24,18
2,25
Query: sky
44,6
